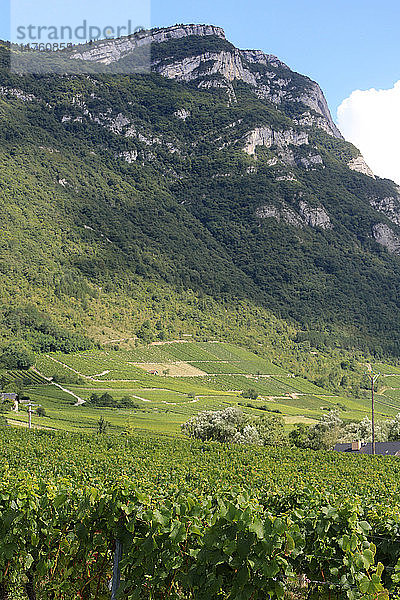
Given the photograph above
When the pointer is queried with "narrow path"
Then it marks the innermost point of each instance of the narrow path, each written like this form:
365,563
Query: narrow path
115,341
140,398
114,380
169,342
68,367
26,425
79,400
41,374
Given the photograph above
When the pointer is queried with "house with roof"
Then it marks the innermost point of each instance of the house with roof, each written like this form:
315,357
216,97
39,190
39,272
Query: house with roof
381,448
10,397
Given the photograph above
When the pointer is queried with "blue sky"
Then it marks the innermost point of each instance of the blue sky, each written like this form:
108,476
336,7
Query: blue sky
344,45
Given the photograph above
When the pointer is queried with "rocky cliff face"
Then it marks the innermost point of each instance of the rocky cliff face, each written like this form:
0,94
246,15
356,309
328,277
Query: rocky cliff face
305,215
269,77
266,136
285,143
109,51
385,236
201,55
389,206
358,164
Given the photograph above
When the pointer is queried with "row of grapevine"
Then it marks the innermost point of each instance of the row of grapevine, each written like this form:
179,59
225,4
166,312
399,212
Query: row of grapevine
57,540
165,464
25,377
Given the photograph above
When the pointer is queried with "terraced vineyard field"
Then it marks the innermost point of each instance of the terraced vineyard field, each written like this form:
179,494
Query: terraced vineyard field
163,401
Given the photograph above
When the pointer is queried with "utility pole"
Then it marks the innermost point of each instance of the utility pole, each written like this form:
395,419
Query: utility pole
373,377
29,405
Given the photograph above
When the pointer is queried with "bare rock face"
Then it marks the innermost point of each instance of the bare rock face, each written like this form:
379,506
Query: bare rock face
306,216
385,236
129,156
315,99
182,114
284,143
311,161
227,64
221,84
269,77
358,164
389,206
266,136
314,216
259,57
16,93
309,119
235,65
283,213
109,51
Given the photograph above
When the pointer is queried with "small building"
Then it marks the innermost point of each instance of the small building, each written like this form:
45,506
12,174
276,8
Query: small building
381,448
153,372
10,397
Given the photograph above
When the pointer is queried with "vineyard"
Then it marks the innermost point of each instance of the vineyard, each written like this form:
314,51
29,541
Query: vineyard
171,382
23,377
189,520
142,513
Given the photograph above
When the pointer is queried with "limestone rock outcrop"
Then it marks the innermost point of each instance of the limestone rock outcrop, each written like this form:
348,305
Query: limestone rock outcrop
266,136
306,215
358,164
269,77
389,206
385,236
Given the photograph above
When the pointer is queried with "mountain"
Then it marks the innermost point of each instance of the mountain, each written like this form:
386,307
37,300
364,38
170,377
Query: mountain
213,195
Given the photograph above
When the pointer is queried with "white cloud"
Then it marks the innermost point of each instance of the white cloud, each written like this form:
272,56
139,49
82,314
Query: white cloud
370,119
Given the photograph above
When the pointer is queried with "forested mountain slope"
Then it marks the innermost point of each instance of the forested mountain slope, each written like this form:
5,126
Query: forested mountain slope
212,196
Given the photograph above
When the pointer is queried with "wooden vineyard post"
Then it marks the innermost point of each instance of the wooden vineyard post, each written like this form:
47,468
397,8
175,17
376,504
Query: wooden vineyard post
116,579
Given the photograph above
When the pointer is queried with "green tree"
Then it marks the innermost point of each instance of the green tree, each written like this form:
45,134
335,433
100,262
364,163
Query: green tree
16,356
250,393
325,434
102,425
233,426
393,429
41,411
299,436
106,400
271,429
94,398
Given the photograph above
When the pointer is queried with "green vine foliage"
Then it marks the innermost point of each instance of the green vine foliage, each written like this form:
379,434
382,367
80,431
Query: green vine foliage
60,539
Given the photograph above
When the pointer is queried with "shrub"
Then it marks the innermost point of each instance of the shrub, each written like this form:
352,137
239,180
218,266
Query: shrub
250,393
233,426
108,401
69,379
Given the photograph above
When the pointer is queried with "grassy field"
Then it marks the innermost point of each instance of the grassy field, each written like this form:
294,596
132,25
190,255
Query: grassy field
164,401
